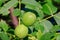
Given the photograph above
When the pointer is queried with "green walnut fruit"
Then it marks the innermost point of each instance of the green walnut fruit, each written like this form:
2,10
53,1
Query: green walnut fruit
29,18
21,31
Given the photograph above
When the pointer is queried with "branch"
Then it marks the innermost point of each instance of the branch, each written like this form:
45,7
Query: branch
47,18
13,18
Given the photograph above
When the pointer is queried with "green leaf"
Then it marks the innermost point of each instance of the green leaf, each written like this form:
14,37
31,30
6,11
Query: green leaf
3,25
47,25
55,28
4,1
39,34
1,2
58,37
16,12
49,9
4,36
4,9
57,1
48,1
38,26
33,3
22,13
57,18
40,12
47,36
34,33
37,9
34,6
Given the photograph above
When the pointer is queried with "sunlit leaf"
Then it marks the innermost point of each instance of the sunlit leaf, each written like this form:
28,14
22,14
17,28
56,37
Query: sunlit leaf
39,34
33,5
58,37
57,18
4,9
48,1
49,9
47,25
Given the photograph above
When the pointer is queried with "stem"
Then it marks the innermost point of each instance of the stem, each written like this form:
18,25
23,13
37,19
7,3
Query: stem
19,9
46,18
13,18
19,21
20,5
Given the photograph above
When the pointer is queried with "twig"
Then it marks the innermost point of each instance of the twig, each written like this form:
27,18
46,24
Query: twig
13,18
20,12
47,18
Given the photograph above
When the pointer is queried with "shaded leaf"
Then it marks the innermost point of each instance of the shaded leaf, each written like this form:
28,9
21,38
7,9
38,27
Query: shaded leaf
16,12
40,12
4,9
3,25
34,33
47,36
55,28
38,26
47,25
57,1
4,36
4,0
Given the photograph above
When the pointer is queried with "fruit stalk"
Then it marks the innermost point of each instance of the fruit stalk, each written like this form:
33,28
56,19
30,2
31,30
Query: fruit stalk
13,18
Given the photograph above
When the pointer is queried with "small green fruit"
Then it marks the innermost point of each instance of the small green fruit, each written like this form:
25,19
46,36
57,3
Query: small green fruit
29,18
21,31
